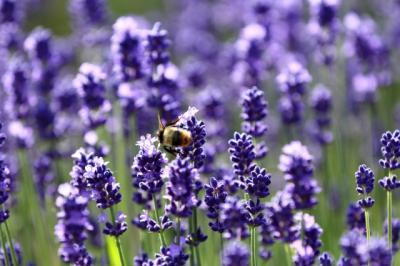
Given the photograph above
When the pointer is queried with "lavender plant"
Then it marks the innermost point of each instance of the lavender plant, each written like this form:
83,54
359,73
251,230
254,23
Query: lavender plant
208,195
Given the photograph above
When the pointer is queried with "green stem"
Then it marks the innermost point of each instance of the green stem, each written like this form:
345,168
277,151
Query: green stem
221,239
389,216
161,233
192,255
367,226
288,254
11,244
197,249
3,243
117,240
178,231
253,246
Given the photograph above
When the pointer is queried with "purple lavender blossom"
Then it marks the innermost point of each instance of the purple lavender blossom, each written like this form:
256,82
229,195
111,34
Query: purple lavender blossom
257,184
117,227
395,234
73,225
236,254
45,119
390,150
66,96
157,45
195,150
234,217
308,247
321,102
104,188
11,11
145,222
215,195
281,216
4,182
147,170
296,163
127,49
324,27
293,79
88,13
172,255
389,183
38,45
89,83
365,88
325,259
291,109
163,79
365,179
44,175
255,215
350,243
358,251
355,217
242,154
94,145
11,37
78,178
15,82
182,187
18,253
250,47
196,237
292,83
254,111
379,253
365,45
142,260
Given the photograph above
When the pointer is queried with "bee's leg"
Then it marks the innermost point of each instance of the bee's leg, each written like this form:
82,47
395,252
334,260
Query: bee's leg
171,150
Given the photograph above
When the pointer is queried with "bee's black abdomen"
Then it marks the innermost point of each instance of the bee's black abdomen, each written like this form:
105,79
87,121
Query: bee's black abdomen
176,138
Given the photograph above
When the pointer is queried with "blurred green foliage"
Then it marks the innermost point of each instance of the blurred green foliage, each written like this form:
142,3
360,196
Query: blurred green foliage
53,14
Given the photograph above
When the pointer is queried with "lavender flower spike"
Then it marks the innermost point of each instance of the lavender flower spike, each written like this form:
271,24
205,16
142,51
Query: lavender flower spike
308,247
365,179
127,49
390,150
236,254
181,187
147,170
4,183
73,225
242,154
254,111
88,12
296,163
325,259
89,83
196,127
102,184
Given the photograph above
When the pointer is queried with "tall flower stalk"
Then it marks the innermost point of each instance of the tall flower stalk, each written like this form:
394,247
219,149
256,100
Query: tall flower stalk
390,148
365,179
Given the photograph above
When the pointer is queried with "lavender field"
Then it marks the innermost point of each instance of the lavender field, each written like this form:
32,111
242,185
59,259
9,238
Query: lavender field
199,132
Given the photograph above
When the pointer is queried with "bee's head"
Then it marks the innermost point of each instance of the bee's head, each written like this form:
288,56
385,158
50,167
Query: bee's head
160,135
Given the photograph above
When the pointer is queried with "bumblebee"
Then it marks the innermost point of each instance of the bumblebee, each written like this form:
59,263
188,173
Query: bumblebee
172,137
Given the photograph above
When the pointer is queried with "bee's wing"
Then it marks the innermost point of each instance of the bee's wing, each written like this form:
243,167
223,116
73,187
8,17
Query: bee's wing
172,123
